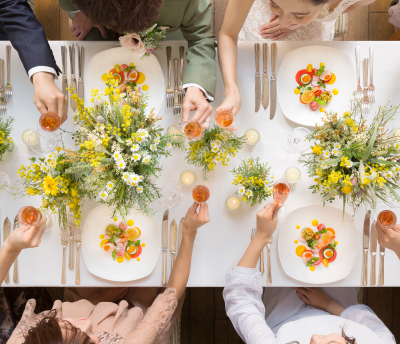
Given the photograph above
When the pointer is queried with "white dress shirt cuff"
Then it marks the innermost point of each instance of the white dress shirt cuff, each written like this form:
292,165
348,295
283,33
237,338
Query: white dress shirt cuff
207,94
38,69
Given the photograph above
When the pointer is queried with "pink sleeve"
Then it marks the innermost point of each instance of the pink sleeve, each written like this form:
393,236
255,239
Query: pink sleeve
156,321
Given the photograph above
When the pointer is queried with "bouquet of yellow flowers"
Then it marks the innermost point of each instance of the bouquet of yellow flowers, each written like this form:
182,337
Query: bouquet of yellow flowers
119,149
216,145
355,161
47,178
5,131
254,181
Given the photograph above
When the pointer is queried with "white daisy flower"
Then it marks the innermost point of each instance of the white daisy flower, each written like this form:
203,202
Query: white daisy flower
326,154
121,164
215,149
140,178
395,169
135,148
153,147
241,190
249,193
169,146
110,185
266,189
134,179
213,144
139,189
139,139
325,166
156,141
218,142
387,174
336,145
349,163
117,156
320,158
143,133
136,157
336,151
146,159
397,146
125,176
103,195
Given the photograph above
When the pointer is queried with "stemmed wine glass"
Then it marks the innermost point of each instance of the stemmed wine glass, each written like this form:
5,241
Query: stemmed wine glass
281,192
294,141
42,141
5,182
171,195
224,119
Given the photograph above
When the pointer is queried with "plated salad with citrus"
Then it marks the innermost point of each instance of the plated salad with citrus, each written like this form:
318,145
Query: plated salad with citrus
317,245
121,241
315,86
125,76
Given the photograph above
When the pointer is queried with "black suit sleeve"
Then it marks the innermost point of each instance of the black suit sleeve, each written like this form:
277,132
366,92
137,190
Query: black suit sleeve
26,34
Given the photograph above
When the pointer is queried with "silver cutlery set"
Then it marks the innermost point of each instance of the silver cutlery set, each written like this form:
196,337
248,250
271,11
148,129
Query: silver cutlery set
175,95
262,268
6,90
370,243
6,233
173,235
268,91
77,85
366,93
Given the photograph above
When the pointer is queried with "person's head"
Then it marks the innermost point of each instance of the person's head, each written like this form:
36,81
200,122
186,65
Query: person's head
332,338
51,330
295,13
121,15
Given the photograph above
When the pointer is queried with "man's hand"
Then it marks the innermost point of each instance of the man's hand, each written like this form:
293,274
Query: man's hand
81,26
47,96
390,238
194,220
195,101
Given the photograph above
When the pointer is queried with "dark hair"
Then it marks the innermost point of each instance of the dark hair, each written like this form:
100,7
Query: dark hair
318,2
123,16
48,331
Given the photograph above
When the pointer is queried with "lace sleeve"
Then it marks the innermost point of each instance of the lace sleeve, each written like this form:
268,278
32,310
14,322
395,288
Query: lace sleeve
242,295
364,315
156,321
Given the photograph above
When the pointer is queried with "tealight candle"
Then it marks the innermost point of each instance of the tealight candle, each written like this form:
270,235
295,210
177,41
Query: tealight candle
252,136
232,203
396,132
292,174
187,177
26,134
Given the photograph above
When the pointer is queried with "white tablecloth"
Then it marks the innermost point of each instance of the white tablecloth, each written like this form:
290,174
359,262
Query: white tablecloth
221,243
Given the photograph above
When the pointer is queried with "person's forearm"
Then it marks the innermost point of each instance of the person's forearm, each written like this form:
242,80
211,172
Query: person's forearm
335,308
227,56
7,257
180,273
252,254
358,5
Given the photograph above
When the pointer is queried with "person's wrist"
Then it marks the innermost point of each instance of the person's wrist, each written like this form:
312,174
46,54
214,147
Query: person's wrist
262,237
9,248
189,232
232,91
334,308
39,77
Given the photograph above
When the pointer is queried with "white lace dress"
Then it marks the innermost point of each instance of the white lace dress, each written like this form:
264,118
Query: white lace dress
244,307
322,29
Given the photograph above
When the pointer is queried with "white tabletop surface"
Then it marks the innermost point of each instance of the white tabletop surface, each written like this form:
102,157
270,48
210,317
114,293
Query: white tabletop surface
221,243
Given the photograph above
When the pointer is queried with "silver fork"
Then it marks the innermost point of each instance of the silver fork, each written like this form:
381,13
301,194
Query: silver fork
71,226
180,89
9,90
358,71
371,87
262,269
3,103
269,276
177,107
78,241
365,101
170,90
64,243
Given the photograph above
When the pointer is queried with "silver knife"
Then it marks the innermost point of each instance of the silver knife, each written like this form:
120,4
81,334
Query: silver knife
374,244
173,231
265,82
64,76
80,70
15,274
6,233
273,81
180,235
73,78
382,266
258,80
367,220
164,247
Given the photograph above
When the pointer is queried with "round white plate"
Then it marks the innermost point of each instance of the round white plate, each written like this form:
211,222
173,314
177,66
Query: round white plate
335,61
346,236
101,264
102,62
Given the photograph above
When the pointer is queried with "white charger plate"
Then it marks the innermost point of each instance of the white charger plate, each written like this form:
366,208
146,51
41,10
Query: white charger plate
101,264
335,61
346,236
102,62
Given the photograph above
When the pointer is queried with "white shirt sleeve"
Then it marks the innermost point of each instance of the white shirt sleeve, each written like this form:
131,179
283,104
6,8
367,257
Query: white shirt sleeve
244,306
207,94
364,315
38,69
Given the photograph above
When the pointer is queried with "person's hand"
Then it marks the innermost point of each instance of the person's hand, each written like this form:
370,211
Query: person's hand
47,96
81,26
267,219
273,30
195,101
194,220
389,238
26,236
232,102
317,298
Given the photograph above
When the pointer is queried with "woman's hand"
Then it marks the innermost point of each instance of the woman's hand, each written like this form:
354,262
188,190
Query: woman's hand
194,220
232,102
317,298
390,238
273,30
267,219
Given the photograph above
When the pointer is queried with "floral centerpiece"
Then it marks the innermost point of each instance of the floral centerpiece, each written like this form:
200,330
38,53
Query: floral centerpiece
253,180
355,161
119,147
5,138
216,145
47,178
